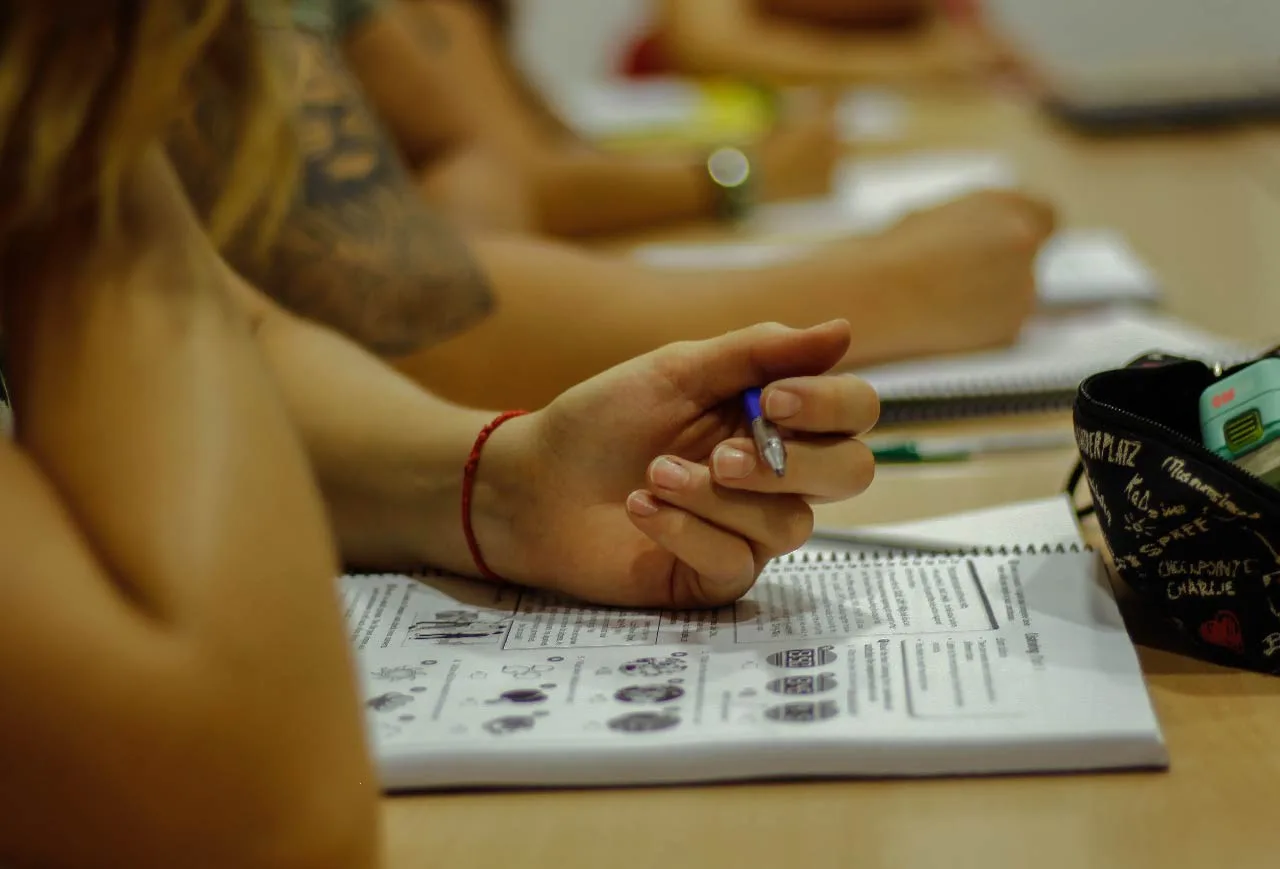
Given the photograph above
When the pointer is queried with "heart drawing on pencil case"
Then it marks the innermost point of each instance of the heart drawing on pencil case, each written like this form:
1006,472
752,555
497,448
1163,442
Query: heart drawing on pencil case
1223,630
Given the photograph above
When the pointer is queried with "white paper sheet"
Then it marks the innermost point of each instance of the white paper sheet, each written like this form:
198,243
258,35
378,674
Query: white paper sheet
831,666
1049,521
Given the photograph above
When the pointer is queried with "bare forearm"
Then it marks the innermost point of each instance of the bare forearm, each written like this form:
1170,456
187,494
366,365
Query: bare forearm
388,455
747,43
850,12
564,315
575,190
579,192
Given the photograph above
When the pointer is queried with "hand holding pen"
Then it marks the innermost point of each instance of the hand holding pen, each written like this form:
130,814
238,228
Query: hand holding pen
651,477
768,440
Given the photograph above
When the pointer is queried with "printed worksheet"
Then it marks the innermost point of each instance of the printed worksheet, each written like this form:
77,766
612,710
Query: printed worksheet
834,664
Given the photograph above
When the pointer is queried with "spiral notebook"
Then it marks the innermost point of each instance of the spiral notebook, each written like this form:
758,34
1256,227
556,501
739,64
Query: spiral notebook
1052,521
837,664
1043,368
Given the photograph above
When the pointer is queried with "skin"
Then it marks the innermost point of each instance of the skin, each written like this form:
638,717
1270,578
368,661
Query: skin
228,478
855,13
823,40
359,225
360,251
554,181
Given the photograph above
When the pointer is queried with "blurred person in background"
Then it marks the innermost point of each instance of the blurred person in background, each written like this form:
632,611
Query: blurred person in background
362,251
899,42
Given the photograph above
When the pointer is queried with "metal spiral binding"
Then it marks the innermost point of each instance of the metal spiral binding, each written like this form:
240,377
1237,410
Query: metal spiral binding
924,408
802,557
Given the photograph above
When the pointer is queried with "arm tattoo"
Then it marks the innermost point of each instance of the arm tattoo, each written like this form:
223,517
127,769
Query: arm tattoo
359,250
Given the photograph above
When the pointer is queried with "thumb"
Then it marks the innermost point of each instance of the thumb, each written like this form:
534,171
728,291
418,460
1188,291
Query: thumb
712,371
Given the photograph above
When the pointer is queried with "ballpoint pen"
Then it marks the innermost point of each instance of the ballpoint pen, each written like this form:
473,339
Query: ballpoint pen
768,442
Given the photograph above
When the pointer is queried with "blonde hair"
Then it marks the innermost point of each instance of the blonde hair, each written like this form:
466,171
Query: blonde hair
86,88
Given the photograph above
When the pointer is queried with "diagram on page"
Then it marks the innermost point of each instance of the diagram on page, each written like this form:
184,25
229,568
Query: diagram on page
816,644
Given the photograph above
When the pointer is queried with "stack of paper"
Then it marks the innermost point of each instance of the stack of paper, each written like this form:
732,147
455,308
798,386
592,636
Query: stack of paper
1049,521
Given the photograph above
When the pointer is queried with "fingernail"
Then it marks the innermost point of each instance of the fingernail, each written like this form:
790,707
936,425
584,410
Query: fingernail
642,504
666,473
780,404
731,463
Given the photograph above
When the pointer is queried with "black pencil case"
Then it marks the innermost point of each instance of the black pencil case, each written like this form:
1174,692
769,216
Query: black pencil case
1196,537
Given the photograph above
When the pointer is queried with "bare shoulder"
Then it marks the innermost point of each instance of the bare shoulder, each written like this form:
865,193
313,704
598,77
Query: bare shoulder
360,249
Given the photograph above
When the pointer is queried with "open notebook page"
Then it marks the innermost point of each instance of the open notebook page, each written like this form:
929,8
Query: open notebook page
836,665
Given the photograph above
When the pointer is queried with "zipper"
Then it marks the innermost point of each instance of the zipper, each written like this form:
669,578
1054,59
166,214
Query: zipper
1247,478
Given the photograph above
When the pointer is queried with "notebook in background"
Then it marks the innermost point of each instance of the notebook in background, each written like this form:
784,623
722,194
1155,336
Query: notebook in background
1077,267
1042,370
1043,521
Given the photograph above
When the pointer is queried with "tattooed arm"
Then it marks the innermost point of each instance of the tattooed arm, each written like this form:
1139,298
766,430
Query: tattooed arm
360,251
359,245
419,58
570,188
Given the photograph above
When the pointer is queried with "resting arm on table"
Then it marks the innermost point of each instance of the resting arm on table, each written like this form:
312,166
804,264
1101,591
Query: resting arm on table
422,60
361,252
738,37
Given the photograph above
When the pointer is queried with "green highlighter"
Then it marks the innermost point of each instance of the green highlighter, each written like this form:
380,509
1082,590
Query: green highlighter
960,449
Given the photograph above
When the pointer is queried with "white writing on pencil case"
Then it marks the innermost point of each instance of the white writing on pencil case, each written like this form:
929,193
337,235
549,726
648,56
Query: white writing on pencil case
1191,529
1105,447
1202,588
1177,470
1220,569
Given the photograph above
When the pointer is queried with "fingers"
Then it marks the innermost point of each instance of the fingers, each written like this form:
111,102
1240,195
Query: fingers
827,469
708,372
826,405
1038,215
714,566
773,524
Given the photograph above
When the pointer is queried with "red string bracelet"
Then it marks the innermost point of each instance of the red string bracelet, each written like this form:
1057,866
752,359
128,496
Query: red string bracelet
468,484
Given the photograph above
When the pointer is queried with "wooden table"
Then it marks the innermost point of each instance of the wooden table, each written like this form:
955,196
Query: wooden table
1204,211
